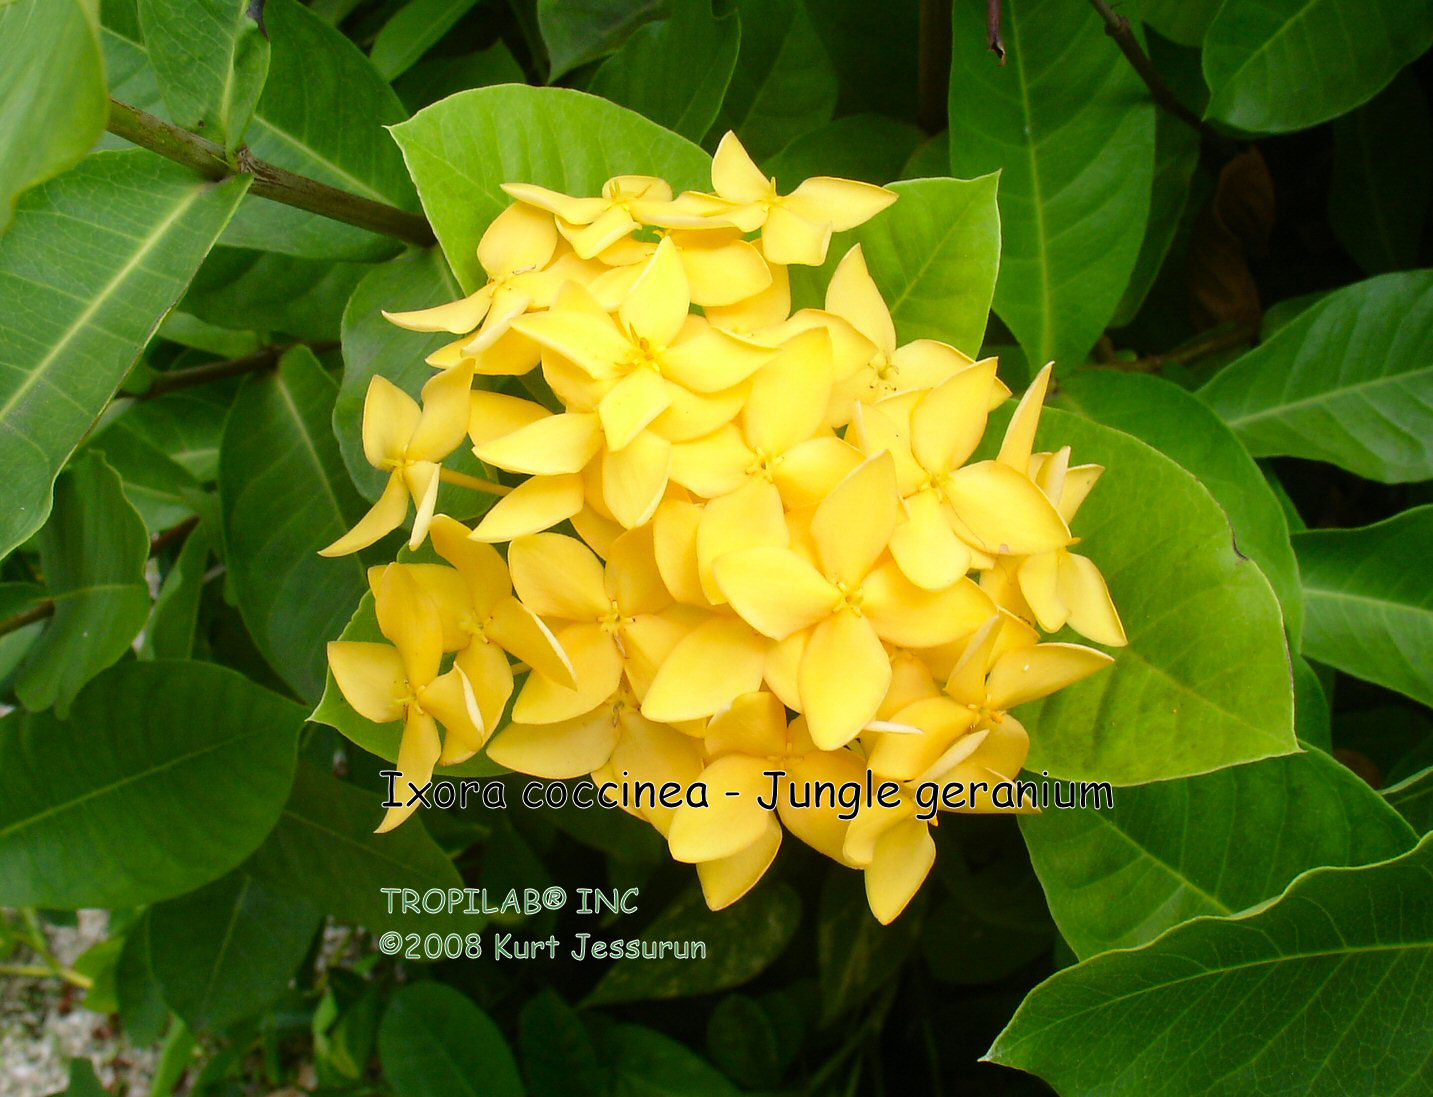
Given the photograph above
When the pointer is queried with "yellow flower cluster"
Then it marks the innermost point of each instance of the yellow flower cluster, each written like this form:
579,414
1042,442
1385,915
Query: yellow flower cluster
783,558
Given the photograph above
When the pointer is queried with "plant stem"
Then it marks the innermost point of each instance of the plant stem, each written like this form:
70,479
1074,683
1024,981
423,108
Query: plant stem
1118,28
43,971
35,613
462,479
993,41
269,181
1211,342
209,372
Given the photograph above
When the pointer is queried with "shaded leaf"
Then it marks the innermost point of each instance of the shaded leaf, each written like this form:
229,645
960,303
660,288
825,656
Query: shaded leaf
855,954
648,1064
1182,21
263,291
134,798
435,1042
411,30
1347,381
141,225
1369,603
284,496
1412,798
172,620
869,147
1317,993
1233,228
558,1056
92,552
576,33
159,488
439,77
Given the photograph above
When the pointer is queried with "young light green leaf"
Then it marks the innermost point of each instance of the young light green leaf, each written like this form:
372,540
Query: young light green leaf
1072,134
1349,381
1168,707
226,951
462,150
1179,426
1369,603
1173,850
675,71
409,32
575,34
784,83
1318,993
742,941
71,330
1382,176
434,1042
134,798
284,496
92,553
211,60
1280,65
47,124
324,847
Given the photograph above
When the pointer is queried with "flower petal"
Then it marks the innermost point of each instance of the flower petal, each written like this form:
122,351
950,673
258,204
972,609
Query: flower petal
754,723
483,571
408,618
1019,441
727,879
631,405
1004,511
923,546
853,525
853,295
789,394
533,506
597,666
791,239
634,479
845,203
515,628
557,752
447,409
418,752
674,540
1038,576
821,828
579,211
370,677
735,175
390,416
903,757
382,518
711,667
589,339
707,359
519,238
774,590
1092,612
548,447
458,317
732,820
903,859
761,310
721,268
558,576
714,465
492,415
910,616
1031,673
844,675
749,517
948,422
657,306
808,472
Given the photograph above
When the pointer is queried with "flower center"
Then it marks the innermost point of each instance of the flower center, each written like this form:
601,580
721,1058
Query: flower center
850,599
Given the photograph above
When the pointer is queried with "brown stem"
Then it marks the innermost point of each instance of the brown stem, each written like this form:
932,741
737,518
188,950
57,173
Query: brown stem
1211,342
35,613
269,181
933,71
218,371
993,40
1118,28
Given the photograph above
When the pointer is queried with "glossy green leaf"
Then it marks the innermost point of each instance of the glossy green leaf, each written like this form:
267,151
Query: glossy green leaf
210,59
1168,707
577,33
1412,798
1279,65
742,941
411,30
1182,21
1180,426
439,77
172,620
558,1056
47,124
1369,602
135,797
292,297
1318,993
92,552
434,1042
675,71
934,254
645,1063
71,330
1072,132
462,150
1173,850
325,849
784,83
284,496
417,279
1382,177
190,331
159,487
185,425
227,951
1349,381
869,147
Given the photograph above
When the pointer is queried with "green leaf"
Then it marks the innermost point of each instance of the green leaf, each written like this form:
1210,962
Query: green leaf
256,290
439,77
742,1039
47,123
142,1011
411,30
211,60
226,951
647,1064
165,777
417,279
325,849
675,71
1072,132
92,552
742,941
931,159
192,332
83,1082
855,954
576,33
1182,21
170,631
784,84
1170,706
1382,176
1349,381
71,330
1412,798
184,425
869,147
1317,994
1368,601
435,1043
934,254
1173,850
159,487
1181,427
462,150
284,496
1279,65
875,51
558,1057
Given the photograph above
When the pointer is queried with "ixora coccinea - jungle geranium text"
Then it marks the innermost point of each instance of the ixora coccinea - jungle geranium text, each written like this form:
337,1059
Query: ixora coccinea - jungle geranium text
783,554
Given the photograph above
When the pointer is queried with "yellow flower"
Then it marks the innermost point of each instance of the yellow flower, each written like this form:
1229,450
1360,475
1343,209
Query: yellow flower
410,443
592,225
